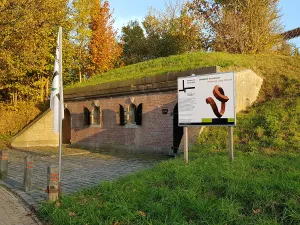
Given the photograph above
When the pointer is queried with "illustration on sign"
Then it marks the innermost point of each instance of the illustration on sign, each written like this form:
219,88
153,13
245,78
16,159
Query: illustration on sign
219,94
207,100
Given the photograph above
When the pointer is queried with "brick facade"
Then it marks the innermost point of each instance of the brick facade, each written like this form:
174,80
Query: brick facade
155,134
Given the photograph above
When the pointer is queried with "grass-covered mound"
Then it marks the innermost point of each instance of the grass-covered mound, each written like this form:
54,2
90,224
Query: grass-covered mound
281,72
255,189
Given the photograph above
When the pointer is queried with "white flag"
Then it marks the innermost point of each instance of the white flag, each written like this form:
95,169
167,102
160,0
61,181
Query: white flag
56,99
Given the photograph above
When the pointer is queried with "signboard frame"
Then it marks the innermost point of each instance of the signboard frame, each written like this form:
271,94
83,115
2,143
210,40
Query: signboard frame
229,122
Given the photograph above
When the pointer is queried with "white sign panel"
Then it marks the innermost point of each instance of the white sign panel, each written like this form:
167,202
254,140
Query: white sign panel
207,100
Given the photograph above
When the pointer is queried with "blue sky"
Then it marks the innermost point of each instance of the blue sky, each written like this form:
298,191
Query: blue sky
126,10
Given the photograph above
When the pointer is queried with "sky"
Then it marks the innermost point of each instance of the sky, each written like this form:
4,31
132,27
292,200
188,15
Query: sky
126,10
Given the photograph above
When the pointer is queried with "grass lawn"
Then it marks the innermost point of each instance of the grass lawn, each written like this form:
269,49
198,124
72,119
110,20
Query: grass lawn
256,189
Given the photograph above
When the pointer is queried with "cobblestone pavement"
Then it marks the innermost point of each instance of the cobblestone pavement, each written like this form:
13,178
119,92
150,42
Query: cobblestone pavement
78,172
13,211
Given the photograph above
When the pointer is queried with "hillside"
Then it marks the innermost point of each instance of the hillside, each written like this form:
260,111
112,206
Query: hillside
260,187
281,72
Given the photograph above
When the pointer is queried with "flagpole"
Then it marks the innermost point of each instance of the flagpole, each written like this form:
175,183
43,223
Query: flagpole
60,105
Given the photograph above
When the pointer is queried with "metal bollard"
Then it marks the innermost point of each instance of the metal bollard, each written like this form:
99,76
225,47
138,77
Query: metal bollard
3,164
52,183
28,172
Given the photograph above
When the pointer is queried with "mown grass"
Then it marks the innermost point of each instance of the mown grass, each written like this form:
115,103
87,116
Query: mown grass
255,189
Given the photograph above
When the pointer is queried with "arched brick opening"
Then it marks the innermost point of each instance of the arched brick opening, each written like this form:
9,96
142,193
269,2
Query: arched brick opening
66,128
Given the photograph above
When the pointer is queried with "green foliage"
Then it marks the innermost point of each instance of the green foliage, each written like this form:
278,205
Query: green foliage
135,45
240,26
173,31
169,32
255,189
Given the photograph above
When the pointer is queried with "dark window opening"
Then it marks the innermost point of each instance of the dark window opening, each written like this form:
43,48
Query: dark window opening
87,116
138,114
123,120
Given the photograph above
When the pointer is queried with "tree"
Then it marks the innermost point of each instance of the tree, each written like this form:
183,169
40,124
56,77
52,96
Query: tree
173,31
240,26
104,49
80,17
135,46
27,42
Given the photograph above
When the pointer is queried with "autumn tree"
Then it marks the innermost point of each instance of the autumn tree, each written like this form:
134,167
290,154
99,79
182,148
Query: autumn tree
27,42
135,44
240,26
173,31
80,18
104,49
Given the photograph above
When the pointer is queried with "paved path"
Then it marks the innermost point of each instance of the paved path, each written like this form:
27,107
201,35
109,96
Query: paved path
13,211
78,172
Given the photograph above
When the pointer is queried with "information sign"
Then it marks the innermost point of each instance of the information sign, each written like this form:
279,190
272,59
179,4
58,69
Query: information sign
207,100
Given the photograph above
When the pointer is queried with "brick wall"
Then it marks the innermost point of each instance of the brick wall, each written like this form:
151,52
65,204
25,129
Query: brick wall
155,133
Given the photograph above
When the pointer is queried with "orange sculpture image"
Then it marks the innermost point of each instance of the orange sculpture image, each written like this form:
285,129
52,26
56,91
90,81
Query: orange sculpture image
218,92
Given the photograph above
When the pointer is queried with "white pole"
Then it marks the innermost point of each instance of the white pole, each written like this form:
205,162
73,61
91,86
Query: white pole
186,144
60,103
